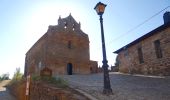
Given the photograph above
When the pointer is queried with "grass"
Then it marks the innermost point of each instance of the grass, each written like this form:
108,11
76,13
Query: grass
59,82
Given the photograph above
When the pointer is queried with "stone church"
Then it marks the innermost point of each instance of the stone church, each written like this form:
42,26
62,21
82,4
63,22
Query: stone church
64,49
149,54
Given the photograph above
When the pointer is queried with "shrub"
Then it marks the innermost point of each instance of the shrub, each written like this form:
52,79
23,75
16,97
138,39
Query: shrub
59,82
17,78
4,77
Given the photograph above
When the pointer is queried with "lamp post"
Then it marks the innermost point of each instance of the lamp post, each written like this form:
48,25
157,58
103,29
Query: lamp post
100,7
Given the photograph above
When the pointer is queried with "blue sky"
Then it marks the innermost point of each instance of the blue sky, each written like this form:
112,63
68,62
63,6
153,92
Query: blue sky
23,22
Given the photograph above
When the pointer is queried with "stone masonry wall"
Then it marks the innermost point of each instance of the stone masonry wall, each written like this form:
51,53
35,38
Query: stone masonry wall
41,91
129,62
44,91
59,55
35,55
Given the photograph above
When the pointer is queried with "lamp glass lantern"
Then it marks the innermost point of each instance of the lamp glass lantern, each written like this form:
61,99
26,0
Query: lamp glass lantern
100,7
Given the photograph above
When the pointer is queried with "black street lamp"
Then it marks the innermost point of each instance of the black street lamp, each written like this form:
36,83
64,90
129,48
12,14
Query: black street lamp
100,7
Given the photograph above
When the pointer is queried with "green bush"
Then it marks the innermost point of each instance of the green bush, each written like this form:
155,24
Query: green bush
17,78
4,77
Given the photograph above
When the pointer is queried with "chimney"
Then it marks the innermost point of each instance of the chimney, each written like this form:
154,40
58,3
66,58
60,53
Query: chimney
166,17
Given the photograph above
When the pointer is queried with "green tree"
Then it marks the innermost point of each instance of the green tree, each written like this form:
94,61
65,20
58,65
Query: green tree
17,75
4,77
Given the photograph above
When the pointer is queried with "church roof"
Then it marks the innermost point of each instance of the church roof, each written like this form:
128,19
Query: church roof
151,33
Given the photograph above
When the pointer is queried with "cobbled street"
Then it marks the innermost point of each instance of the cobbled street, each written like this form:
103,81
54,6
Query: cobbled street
125,87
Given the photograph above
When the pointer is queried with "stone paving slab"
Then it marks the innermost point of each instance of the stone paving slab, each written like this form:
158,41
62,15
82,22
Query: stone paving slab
86,94
124,86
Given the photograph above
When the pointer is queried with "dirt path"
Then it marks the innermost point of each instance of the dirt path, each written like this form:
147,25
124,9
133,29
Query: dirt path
4,93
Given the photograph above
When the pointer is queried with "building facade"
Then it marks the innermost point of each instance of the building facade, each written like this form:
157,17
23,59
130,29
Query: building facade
64,49
149,54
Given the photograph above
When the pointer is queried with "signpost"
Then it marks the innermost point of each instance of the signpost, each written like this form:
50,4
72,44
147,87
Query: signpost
27,87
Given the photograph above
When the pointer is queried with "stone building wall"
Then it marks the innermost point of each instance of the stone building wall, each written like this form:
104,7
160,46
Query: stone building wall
129,58
93,67
34,56
61,46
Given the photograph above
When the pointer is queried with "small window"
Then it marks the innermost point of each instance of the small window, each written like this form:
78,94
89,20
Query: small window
158,50
40,65
69,45
73,27
140,55
126,54
65,25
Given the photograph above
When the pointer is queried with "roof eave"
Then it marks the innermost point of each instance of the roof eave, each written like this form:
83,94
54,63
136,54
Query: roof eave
160,28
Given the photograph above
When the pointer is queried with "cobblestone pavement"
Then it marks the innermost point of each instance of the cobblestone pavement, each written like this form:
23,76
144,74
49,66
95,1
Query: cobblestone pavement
4,93
125,87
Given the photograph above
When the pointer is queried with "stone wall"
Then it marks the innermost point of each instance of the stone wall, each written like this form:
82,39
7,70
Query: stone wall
93,67
129,60
44,91
18,89
41,91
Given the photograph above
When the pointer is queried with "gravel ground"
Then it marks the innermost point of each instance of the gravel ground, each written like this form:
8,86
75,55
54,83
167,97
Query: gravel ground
4,93
125,87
